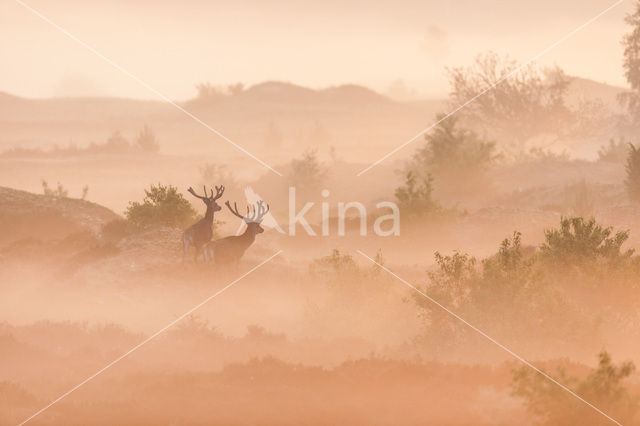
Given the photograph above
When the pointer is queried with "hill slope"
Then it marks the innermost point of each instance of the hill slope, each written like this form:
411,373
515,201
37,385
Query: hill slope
26,215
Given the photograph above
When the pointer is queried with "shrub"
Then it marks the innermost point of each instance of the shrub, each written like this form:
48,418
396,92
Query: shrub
503,279
415,197
505,274
602,387
307,173
340,271
336,262
59,192
451,283
212,174
615,152
580,242
456,158
541,155
161,206
633,174
451,151
504,294
147,141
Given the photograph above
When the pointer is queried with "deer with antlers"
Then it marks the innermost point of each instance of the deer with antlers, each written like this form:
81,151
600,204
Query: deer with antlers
201,232
229,250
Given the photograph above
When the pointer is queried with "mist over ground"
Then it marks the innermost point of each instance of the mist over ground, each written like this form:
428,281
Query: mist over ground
485,273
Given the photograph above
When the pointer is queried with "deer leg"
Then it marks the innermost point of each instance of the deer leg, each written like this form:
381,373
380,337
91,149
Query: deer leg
209,254
185,247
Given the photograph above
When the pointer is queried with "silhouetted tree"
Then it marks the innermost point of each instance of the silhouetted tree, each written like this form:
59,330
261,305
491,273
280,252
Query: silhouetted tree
631,65
456,158
451,150
615,152
116,144
307,173
633,173
527,103
147,141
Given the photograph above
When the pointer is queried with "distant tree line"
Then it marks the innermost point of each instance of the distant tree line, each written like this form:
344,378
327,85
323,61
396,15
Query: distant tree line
145,142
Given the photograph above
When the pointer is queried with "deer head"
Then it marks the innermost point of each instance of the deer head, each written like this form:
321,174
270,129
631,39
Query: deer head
254,216
210,201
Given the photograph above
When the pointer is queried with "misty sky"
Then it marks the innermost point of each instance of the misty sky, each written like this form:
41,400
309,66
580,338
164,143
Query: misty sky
174,45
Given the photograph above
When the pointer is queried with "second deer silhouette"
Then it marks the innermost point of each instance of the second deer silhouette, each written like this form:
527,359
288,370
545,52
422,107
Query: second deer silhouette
229,250
201,232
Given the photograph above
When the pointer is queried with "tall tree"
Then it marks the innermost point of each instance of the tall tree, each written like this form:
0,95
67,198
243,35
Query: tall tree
633,174
527,102
631,65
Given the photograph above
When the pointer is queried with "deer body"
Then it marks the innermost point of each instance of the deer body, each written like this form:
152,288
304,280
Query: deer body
201,232
229,250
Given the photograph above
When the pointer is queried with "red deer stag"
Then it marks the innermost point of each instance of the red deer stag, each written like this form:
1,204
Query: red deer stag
200,233
229,250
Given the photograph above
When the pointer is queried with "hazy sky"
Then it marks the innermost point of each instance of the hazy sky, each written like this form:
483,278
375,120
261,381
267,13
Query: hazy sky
172,45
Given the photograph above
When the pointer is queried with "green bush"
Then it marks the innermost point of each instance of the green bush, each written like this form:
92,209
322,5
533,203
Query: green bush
161,206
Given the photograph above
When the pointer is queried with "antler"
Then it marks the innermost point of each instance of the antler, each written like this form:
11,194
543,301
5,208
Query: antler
219,192
261,211
192,192
253,214
234,210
